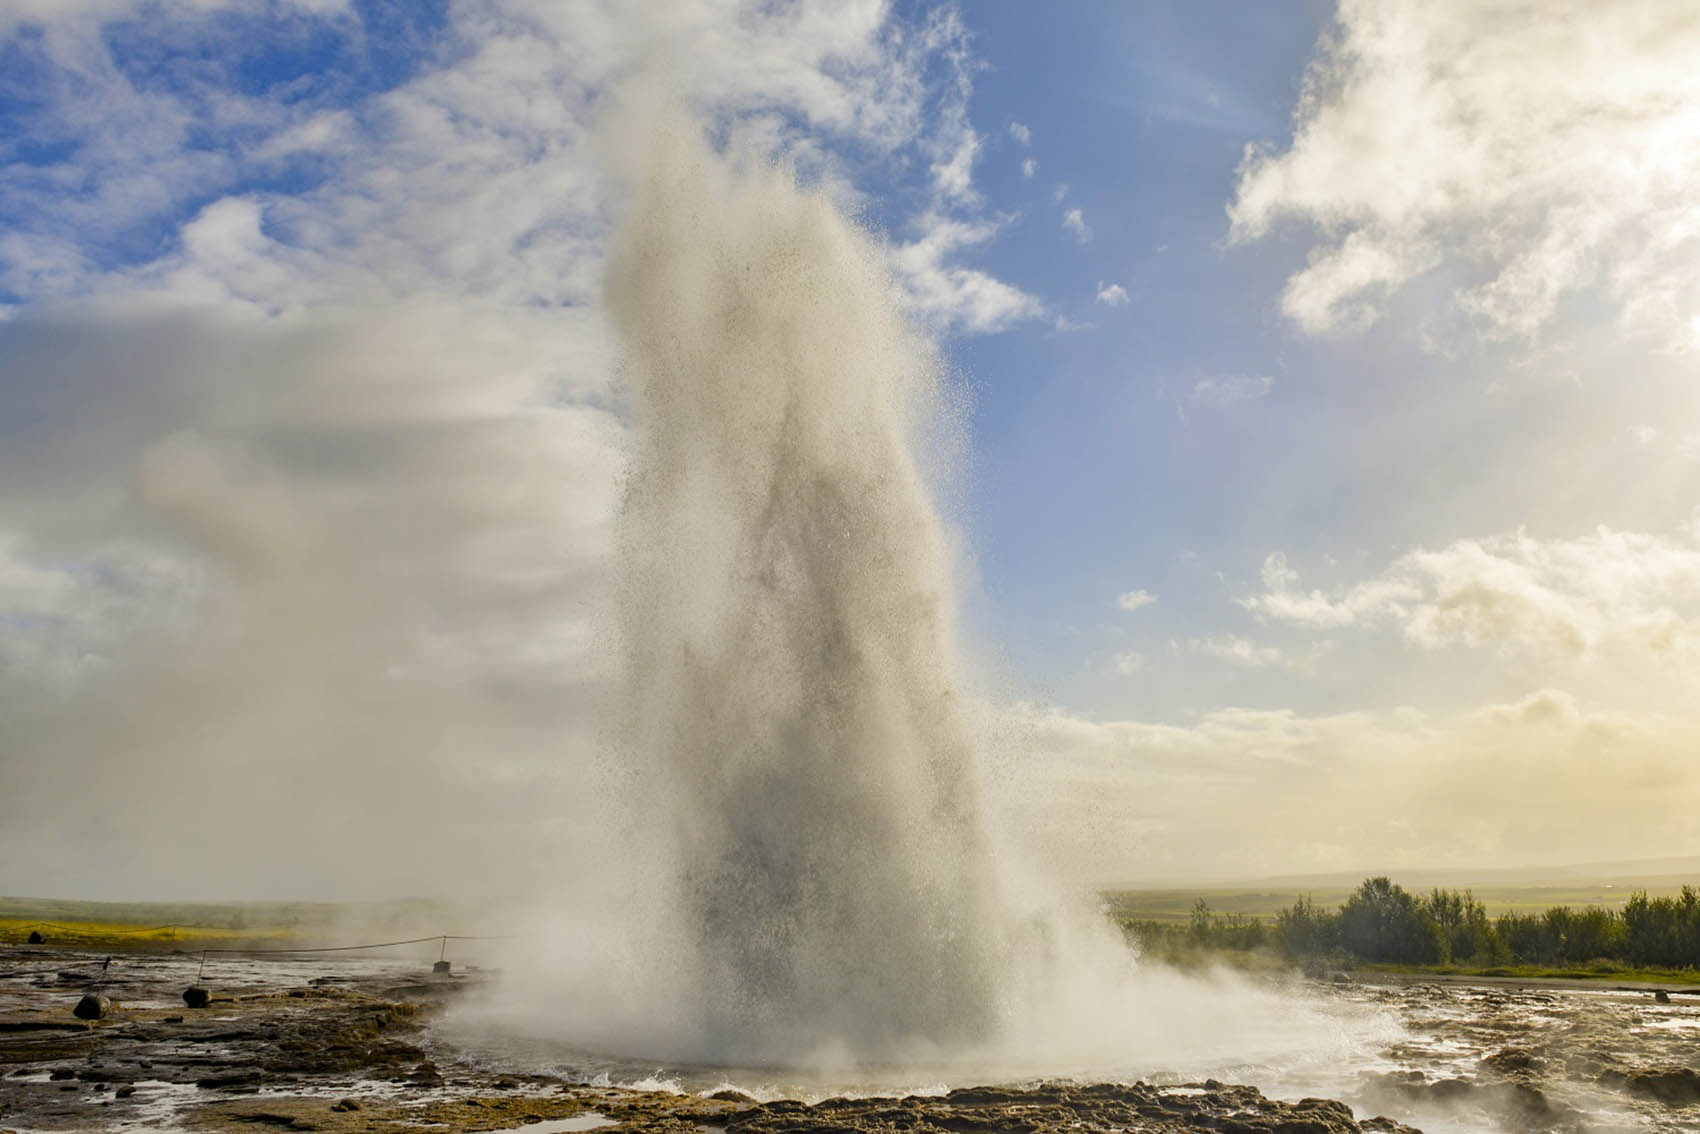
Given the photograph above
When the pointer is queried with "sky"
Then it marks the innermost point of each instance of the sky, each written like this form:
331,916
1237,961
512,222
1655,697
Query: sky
1332,384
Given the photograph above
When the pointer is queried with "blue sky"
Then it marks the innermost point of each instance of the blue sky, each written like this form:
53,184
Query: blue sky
1334,427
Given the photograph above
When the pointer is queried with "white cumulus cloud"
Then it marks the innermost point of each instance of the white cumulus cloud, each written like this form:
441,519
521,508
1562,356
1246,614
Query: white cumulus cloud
1551,598
1535,150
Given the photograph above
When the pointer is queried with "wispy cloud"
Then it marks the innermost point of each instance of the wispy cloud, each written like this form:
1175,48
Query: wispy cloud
1112,295
1021,133
1227,389
1238,650
1131,601
1075,223
953,296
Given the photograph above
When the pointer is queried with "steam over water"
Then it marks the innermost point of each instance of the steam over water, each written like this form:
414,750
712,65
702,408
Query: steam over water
803,876
785,608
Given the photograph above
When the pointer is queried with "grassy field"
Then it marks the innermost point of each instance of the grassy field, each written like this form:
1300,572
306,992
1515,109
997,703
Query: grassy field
111,934
186,925
1604,971
149,925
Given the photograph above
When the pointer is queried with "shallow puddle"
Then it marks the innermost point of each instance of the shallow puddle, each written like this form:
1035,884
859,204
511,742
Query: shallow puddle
589,1120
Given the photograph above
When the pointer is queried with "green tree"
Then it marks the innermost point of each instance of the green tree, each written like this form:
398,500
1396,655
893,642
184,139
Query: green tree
1382,922
1466,933
1198,926
1303,930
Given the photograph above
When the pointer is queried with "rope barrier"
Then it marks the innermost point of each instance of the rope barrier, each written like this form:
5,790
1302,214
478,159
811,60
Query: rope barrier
197,996
412,941
242,950
445,938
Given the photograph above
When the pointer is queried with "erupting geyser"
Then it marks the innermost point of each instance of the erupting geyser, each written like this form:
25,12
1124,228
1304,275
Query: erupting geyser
785,608
799,873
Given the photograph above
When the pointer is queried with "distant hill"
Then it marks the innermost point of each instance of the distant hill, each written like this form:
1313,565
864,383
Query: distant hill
1635,872
1524,889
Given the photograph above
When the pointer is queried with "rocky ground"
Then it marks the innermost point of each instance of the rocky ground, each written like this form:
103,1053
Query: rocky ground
342,1053
343,1046
1537,1057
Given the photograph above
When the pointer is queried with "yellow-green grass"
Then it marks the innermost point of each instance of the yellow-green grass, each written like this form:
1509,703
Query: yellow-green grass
155,925
122,935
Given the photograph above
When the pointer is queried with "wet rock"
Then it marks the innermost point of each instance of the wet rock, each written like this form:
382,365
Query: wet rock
196,997
126,1090
35,938
425,1075
100,1075
1661,996
730,1094
1675,1086
270,1118
1513,1061
1529,1106
1056,1108
93,1006
231,1081
346,1105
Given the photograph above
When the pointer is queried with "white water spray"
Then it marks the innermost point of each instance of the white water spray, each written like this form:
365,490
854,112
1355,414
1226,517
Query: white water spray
786,609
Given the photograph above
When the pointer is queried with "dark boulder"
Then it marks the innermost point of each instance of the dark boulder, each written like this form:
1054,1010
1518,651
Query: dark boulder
196,997
35,938
93,1006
